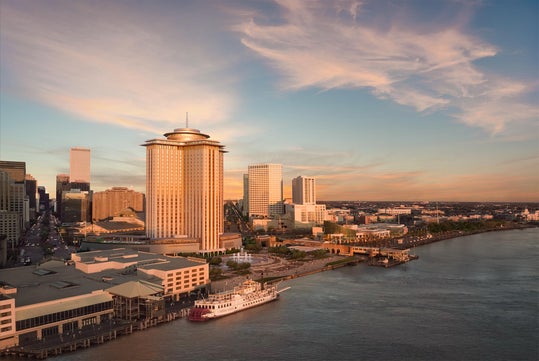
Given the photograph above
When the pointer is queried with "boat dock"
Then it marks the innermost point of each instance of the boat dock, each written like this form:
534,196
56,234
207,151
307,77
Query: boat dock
87,336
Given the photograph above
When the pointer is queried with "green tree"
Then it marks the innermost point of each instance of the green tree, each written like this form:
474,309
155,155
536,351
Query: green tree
216,261
215,273
298,254
319,253
253,247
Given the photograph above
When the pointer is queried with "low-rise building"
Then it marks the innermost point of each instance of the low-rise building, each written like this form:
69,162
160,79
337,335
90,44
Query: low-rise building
176,275
55,299
305,215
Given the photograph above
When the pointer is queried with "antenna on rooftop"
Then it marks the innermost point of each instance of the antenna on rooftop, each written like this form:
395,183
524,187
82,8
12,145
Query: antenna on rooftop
187,119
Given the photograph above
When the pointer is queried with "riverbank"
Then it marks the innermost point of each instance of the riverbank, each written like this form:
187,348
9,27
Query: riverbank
457,233
283,269
271,272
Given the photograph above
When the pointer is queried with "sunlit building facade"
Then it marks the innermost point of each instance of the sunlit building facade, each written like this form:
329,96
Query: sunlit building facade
111,202
265,190
184,187
303,190
79,165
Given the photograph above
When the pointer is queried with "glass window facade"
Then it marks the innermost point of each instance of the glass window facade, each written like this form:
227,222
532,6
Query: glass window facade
64,315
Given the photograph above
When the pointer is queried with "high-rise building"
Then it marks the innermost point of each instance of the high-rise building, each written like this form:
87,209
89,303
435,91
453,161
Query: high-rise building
112,201
75,206
14,206
62,185
31,191
303,190
79,165
15,170
14,201
265,190
44,199
184,187
245,200
304,211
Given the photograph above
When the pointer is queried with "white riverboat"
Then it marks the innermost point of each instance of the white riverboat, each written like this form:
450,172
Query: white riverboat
249,294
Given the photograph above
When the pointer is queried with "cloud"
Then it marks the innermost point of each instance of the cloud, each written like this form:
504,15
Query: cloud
497,104
108,62
426,65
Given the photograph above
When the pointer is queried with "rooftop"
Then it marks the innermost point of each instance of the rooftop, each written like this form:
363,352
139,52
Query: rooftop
54,280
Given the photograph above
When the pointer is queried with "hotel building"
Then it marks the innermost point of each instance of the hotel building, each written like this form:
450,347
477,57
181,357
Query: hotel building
265,190
184,188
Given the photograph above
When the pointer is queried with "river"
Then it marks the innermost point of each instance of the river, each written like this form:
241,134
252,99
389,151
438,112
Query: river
468,298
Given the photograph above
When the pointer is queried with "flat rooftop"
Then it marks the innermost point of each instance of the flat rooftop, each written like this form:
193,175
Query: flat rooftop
144,260
54,280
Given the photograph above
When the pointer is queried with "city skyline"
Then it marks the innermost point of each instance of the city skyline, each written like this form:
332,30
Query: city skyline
377,100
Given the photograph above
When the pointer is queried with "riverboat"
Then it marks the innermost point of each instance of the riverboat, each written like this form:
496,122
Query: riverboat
249,294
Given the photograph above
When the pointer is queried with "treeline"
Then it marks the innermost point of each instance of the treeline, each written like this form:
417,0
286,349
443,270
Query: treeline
291,253
334,228
470,226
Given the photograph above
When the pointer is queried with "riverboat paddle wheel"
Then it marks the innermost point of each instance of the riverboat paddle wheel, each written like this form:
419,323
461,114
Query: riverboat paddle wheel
197,314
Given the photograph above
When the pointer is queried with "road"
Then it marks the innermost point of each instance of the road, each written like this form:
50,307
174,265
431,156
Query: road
42,241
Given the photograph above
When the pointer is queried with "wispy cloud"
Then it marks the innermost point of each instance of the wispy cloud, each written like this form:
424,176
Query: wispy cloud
428,66
109,62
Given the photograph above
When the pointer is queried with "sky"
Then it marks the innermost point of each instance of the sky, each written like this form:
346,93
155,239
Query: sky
426,100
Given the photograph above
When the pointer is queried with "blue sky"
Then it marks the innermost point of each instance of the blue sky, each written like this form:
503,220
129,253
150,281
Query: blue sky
379,100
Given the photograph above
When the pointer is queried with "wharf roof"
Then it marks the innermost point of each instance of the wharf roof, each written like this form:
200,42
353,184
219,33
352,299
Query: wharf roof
134,289
143,260
54,280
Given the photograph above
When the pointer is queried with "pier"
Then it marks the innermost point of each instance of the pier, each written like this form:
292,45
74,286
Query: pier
54,345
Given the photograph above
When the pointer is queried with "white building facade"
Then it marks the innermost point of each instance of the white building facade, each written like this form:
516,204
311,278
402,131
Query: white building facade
265,190
303,190
184,187
313,214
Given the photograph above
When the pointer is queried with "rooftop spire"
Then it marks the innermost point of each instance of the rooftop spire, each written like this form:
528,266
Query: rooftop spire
187,119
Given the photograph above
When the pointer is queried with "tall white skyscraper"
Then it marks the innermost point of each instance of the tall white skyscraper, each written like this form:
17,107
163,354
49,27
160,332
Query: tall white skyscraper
184,187
265,189
79,165
303,190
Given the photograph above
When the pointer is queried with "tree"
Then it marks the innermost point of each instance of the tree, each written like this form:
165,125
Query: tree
319,253
215,273
215,261
253,247
298,254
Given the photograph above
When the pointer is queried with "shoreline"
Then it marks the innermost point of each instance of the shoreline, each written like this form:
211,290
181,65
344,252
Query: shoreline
302,270
290,270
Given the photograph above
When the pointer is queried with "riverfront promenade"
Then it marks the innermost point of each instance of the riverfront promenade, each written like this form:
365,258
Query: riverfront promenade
271,267
281,268
278,269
